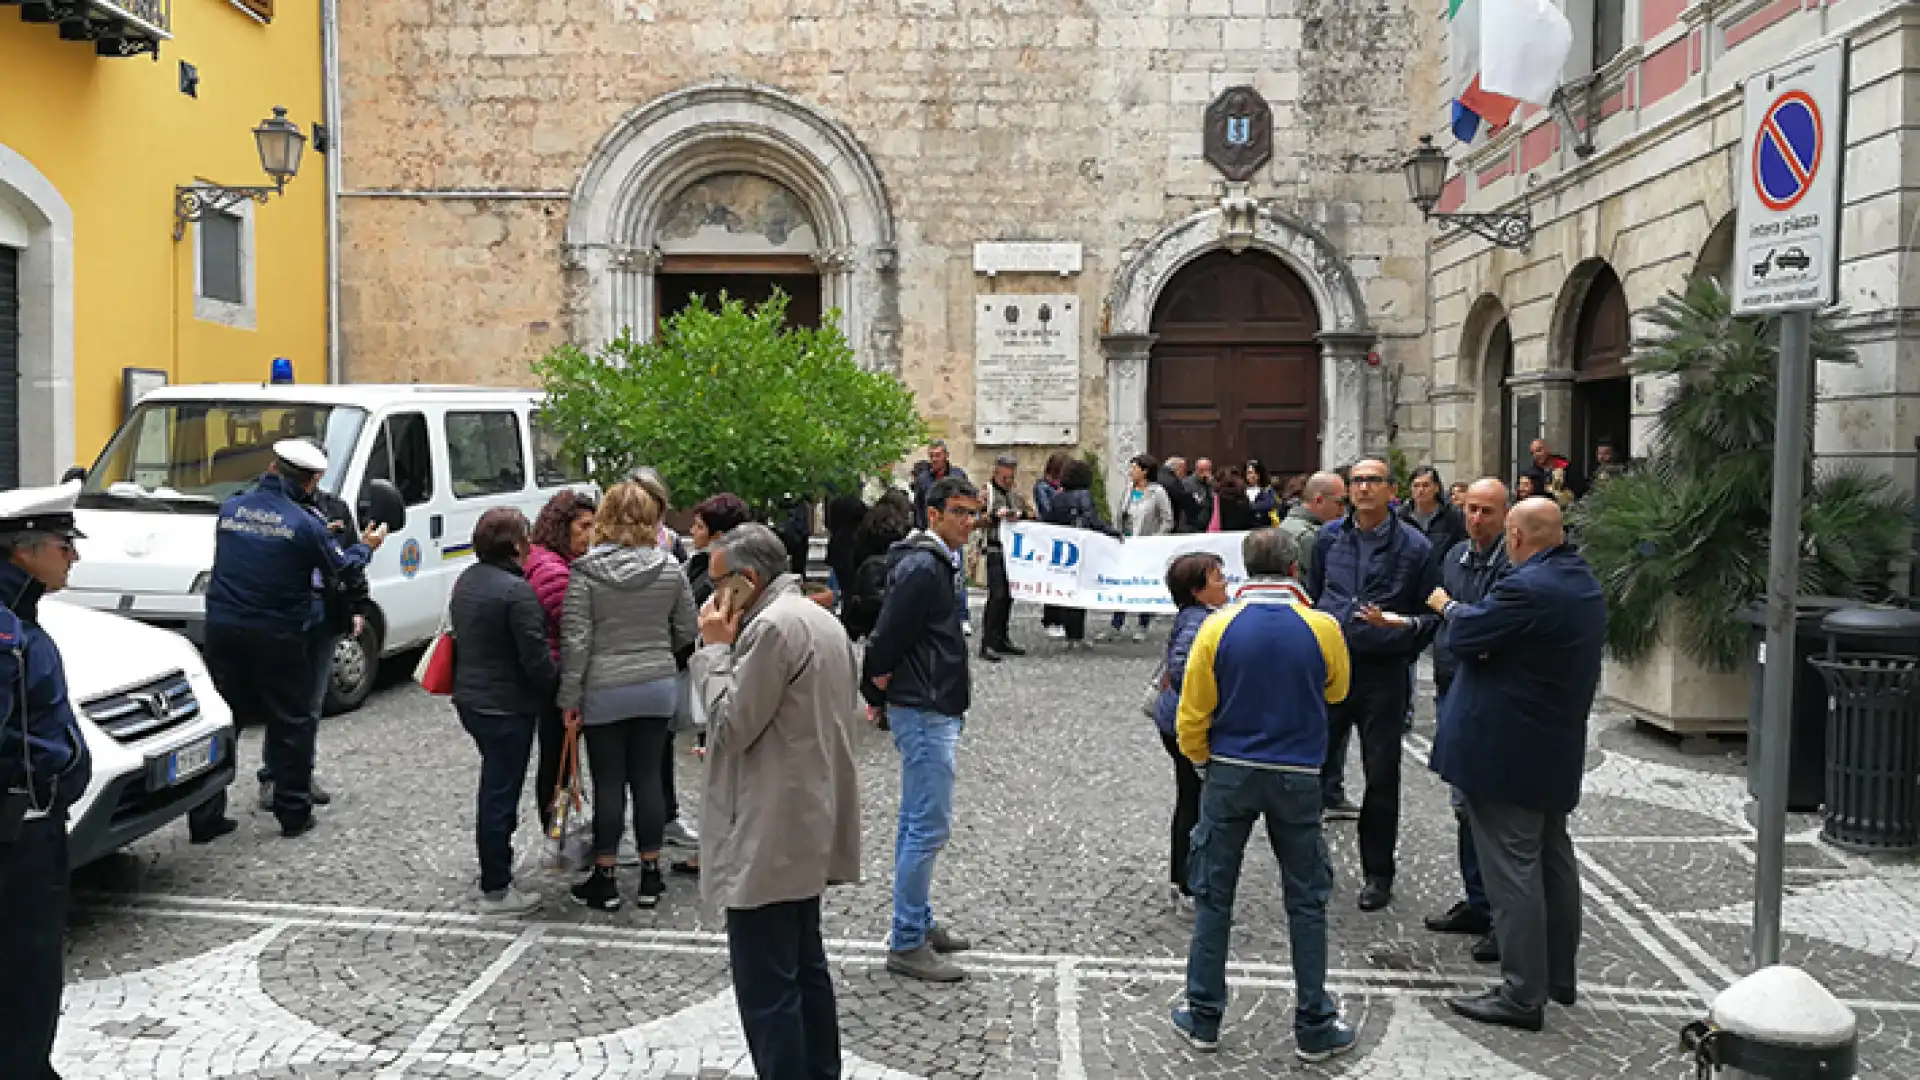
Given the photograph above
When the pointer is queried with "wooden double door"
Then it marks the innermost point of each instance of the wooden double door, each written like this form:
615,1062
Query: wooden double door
1235,372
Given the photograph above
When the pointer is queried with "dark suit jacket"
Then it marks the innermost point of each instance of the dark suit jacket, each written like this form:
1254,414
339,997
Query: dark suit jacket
1513,727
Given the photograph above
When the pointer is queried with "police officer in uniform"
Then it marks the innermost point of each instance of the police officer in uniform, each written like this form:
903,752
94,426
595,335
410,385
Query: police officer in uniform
273,562
44,767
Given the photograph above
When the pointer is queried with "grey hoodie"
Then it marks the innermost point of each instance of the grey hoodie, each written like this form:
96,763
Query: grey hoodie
628,611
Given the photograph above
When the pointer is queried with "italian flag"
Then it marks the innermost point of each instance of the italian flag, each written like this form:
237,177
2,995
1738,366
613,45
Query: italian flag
1501,53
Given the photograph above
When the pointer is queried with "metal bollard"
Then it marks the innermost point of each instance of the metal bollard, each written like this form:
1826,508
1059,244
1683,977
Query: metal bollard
1775,1024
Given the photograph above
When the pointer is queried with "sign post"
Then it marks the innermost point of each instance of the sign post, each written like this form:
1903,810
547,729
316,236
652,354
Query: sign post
1786,262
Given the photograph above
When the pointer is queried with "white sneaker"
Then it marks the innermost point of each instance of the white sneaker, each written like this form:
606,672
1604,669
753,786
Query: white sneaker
1139,636
681,834
1057,633
509,902
967,628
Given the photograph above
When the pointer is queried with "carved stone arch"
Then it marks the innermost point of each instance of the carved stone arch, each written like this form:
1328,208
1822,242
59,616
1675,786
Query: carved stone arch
661,148
1346,336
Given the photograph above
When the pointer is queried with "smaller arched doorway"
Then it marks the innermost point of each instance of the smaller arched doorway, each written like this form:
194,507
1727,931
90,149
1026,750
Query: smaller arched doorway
1235,368
1499,457
1602,379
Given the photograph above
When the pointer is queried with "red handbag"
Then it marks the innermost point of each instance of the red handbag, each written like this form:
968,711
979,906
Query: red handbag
435,672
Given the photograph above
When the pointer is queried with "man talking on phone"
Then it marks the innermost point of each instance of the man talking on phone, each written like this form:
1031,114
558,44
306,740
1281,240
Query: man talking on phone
44,767
1372,572
781,820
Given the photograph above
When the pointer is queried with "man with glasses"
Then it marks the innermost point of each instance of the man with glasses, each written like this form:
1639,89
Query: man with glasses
916,665
1372,572
44,767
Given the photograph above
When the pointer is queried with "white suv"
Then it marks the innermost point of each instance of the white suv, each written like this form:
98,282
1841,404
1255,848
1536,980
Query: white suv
160,735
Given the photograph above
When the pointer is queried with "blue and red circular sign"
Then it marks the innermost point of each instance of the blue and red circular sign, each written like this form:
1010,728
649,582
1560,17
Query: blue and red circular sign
1787,150
410,558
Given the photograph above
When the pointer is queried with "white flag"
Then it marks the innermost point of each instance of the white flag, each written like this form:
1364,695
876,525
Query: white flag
1524,46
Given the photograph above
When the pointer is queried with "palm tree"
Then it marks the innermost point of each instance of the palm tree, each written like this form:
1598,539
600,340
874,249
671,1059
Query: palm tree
1680,544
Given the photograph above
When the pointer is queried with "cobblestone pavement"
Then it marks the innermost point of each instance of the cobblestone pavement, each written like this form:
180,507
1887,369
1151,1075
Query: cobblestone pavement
356,952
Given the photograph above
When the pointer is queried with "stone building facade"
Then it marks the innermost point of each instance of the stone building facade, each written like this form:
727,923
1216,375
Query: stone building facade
1533,343
519,174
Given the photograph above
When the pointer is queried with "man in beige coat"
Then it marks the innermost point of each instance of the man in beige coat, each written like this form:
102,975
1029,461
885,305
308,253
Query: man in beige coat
781,818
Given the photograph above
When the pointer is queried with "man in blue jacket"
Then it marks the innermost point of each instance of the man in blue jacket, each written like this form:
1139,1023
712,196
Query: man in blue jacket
273,561
916,665
1372,572
1513,739
1468,573
44,767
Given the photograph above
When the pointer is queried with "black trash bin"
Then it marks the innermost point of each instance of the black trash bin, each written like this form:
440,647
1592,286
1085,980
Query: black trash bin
1807,771
1873,732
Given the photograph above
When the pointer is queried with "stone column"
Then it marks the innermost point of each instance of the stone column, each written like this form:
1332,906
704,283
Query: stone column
630,296
1127,357
1343,376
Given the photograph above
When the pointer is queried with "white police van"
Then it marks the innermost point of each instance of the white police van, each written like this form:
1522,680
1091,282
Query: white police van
447,453
160,735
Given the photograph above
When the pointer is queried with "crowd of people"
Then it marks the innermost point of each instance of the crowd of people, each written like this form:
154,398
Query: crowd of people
596,634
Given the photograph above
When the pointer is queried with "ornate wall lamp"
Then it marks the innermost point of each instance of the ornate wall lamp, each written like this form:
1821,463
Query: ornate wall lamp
280,142
1427,174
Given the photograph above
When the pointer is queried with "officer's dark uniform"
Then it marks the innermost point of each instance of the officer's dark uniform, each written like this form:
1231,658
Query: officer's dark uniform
266,627
44,767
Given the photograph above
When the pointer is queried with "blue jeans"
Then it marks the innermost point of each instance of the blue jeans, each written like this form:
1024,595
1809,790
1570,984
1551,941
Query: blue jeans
506,744
1234,798
927,742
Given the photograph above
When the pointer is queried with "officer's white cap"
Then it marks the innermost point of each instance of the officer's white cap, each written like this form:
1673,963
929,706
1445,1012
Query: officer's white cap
41,510
301,454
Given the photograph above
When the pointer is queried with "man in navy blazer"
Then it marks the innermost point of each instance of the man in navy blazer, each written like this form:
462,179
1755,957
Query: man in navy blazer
1513,739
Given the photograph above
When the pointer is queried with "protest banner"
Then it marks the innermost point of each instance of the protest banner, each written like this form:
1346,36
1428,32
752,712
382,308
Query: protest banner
1051,564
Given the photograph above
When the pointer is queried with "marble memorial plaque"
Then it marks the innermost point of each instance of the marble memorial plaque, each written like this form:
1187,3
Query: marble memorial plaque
1026,370
992,257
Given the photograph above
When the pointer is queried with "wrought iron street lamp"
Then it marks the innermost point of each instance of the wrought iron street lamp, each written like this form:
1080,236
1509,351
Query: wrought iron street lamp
280,143
1426,173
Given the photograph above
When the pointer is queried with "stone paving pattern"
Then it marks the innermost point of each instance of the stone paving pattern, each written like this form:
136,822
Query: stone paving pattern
356,952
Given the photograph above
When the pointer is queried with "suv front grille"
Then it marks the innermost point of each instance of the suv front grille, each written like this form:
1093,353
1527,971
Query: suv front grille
145,710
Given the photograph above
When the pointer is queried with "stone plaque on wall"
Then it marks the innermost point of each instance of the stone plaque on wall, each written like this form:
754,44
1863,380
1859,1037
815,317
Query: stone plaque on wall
1061,257
1026,370
1239,133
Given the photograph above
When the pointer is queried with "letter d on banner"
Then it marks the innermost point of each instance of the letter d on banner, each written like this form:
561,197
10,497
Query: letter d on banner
1066,555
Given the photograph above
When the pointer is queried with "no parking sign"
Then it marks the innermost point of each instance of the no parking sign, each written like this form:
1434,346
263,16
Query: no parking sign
1789,177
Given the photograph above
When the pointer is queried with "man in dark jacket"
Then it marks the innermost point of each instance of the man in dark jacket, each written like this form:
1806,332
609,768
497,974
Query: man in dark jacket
1513,739
1372,572
916,665
936,468
1468,572
266,622
1172,480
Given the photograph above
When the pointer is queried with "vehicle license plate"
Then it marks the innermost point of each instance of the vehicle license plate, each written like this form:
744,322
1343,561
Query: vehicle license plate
191,760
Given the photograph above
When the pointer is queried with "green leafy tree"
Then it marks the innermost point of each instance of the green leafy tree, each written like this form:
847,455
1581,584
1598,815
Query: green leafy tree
1680,544
730,399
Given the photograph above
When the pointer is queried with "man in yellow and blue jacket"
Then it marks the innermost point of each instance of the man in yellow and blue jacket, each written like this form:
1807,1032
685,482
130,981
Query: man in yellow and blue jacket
1253,719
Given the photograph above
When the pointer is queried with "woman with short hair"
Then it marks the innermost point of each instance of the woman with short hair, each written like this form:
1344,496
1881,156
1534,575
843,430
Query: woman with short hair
712,519
503,680
628,627
1198,582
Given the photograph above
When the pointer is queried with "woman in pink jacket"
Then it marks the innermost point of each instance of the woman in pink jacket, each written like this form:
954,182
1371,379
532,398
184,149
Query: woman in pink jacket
563,534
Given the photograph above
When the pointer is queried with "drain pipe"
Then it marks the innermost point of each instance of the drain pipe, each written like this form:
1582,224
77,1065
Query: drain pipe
330,88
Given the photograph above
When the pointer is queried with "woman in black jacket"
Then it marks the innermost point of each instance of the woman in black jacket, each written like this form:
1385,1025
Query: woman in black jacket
1428,511
1076,508
888,523
503,679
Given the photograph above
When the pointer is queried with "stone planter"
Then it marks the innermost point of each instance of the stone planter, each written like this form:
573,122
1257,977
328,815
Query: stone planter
1671,691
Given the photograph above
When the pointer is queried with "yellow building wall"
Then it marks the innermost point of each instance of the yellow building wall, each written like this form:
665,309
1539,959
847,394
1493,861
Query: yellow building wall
115,136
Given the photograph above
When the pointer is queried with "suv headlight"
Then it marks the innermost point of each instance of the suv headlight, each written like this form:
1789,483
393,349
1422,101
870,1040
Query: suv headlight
200,583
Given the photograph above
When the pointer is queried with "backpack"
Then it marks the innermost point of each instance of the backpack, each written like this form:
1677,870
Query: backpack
861,608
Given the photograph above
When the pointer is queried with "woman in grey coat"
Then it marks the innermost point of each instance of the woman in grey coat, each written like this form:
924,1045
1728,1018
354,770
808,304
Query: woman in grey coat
1143,511
627,625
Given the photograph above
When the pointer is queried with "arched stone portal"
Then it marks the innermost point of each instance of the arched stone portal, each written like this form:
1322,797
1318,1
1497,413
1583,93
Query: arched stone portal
1345,337
39,218
627,207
